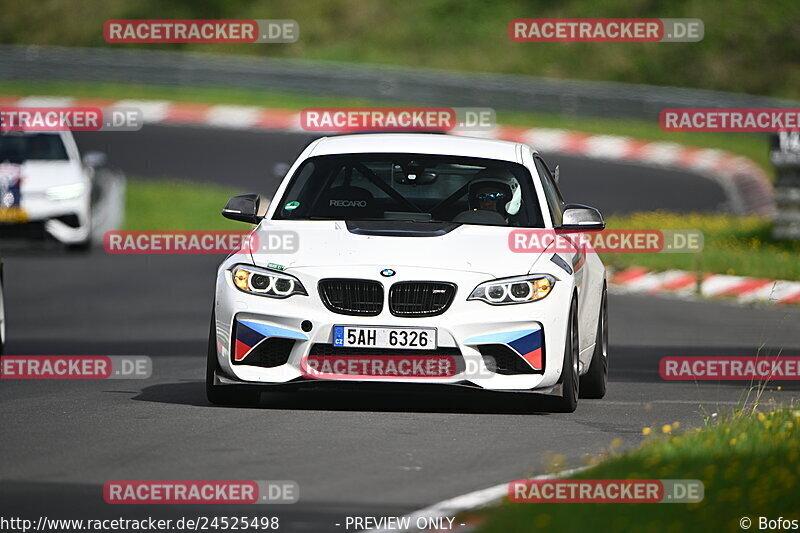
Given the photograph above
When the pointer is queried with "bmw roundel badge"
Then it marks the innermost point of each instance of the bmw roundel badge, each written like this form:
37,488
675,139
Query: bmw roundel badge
388,272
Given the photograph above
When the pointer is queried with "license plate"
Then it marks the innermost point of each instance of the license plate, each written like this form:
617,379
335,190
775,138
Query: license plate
377,337
12,215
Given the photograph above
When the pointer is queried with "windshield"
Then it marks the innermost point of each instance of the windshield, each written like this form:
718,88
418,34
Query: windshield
411,187
20,147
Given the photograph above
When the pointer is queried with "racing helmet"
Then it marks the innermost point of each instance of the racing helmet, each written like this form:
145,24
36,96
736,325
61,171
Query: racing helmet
504,182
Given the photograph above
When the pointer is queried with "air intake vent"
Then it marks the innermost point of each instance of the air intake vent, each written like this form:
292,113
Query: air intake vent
328,349
356,297
420,298
501,359
269,353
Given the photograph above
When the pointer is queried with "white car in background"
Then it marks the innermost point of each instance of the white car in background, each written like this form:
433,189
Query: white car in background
45,188
403,250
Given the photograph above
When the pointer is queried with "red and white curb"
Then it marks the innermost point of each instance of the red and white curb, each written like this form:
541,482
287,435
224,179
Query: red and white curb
685,284
467,502
746,185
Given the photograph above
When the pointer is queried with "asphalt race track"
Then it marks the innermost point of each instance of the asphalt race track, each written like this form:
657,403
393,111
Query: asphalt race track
372,453
245,159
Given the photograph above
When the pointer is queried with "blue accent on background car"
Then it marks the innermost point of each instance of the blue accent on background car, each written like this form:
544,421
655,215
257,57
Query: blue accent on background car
387,272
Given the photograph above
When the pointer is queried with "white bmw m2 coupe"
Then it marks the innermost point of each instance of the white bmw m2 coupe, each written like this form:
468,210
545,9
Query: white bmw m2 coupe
405,265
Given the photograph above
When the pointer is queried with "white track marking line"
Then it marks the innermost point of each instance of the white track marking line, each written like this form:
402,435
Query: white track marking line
488,496
667,402
465,502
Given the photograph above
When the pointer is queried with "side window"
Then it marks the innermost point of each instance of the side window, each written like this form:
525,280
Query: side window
551,192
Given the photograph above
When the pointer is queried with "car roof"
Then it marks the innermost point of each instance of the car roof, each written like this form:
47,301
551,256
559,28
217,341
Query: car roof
418,143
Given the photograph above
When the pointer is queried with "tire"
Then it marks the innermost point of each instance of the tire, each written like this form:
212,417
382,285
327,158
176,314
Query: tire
594,382
230,395
570,380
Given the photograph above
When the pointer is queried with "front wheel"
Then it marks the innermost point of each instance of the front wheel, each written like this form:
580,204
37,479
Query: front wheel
570,380
224,394
594,382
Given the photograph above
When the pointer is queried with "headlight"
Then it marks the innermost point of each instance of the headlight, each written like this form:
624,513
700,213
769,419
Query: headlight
514,290
66,192
254,280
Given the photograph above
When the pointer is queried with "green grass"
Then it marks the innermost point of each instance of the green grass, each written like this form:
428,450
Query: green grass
748,463
745,49
200,95
176,205
752,146
733,245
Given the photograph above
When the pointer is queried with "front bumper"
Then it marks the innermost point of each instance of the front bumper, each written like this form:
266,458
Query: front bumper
534,330
66,221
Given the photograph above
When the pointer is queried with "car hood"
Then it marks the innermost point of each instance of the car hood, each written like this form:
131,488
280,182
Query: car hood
325,243
37,176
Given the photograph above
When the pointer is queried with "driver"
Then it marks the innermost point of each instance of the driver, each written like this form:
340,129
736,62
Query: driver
497,191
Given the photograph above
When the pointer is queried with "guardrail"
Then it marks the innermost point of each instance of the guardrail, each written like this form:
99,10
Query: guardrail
401,85
745,182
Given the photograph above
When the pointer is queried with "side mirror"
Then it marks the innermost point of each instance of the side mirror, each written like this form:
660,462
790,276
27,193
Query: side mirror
582,218
243,208
94,159
555,174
